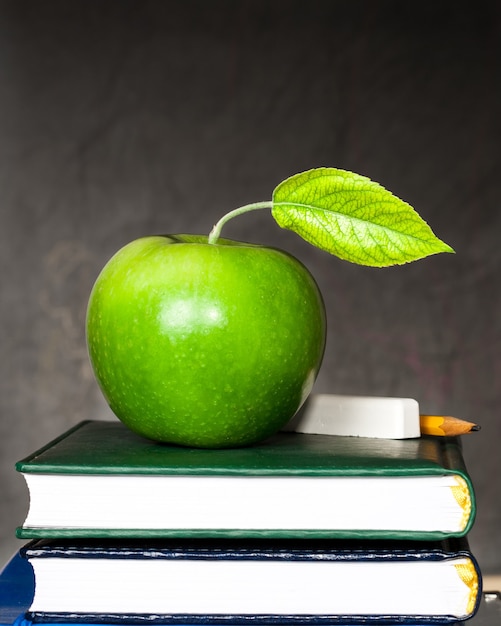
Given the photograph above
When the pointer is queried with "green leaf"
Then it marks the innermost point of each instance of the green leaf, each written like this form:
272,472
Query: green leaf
354,218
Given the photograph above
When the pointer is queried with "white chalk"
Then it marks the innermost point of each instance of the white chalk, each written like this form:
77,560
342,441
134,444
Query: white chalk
358,416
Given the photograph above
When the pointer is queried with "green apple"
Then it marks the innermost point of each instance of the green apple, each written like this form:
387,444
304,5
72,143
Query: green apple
205,344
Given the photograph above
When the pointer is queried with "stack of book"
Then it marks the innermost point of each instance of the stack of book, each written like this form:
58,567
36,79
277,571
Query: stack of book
300,529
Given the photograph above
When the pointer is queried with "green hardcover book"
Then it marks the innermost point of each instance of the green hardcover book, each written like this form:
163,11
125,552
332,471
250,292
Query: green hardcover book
101,480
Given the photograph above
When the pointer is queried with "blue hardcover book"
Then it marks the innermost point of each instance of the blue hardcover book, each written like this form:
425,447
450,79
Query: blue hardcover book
213,582
17,586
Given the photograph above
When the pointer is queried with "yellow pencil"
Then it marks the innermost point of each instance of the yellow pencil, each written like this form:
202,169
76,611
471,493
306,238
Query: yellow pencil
445,425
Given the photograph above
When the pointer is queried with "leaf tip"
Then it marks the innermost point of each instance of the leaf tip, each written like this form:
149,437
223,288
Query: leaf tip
445,247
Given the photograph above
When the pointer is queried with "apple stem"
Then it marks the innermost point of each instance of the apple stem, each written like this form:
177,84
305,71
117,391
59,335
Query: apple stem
216,231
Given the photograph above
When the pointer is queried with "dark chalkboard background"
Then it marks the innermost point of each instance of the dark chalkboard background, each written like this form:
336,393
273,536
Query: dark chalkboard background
125,118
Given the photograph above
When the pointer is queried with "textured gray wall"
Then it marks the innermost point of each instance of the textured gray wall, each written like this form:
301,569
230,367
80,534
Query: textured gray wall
119,119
